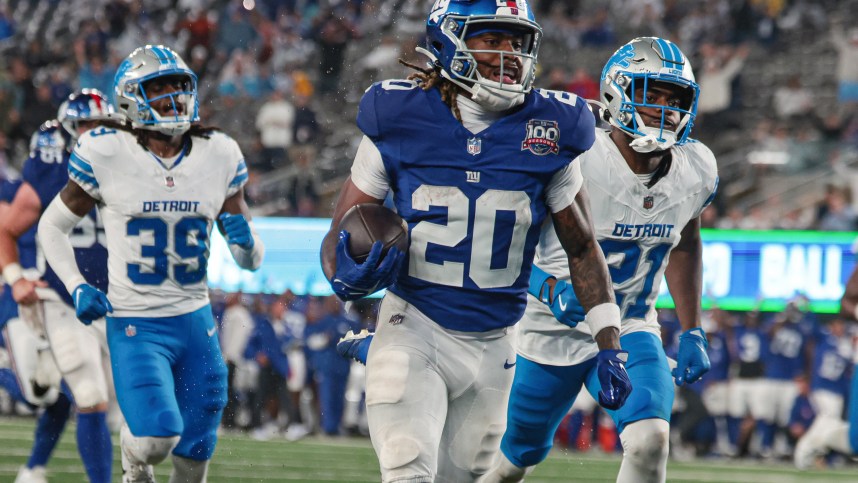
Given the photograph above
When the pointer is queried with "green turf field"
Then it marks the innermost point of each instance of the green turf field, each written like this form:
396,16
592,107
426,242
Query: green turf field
241,459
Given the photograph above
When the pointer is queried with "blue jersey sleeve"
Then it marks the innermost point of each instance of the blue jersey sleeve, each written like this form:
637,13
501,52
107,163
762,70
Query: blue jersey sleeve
584,134
367,117
46,178
8,188
577,123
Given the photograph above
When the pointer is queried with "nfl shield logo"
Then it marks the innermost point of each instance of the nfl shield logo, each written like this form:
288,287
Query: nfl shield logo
169,182
648,201
130,331
396,319
475,145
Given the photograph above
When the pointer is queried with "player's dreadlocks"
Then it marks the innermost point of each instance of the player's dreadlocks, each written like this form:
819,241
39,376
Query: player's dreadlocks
143,135
429,77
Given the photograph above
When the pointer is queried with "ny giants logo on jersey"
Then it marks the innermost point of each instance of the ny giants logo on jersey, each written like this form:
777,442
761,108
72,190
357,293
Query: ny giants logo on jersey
542,137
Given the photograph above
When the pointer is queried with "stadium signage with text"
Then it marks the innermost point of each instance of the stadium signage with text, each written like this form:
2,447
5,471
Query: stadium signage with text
741,269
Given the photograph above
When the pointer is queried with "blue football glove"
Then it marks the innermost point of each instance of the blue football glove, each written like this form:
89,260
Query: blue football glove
354,280
355,346
691,360
237,230
616,386
90,303
564,305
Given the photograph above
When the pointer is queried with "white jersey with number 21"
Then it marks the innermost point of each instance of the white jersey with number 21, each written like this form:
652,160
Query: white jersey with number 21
637,227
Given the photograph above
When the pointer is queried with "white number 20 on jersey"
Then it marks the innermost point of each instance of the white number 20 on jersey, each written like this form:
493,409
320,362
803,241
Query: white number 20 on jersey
482,235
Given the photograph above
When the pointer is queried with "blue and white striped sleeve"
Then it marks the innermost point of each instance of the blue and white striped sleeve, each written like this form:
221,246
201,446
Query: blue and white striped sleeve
239,179
81,172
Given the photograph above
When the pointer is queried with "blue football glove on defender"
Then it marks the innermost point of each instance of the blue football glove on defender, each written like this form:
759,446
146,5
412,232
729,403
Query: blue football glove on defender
354,280
90,303
237,230
564,305
691,360
616,386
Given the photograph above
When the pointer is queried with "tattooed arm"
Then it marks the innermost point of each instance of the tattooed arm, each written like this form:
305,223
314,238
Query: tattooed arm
589,271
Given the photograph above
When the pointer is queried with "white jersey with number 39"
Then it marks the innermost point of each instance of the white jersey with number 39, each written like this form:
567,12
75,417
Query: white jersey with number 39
157,220
637,227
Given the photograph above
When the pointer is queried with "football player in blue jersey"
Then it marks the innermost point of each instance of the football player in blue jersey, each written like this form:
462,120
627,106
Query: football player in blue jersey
31,360
80,352
648,184
828,433
160,181
476,161
786,358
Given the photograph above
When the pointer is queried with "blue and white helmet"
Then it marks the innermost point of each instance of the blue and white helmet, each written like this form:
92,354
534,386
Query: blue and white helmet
632,67
83,105
143,65
451,22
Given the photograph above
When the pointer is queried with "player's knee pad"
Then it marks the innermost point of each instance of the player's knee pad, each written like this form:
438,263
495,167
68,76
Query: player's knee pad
88,389
198,447
399,452
525,444
646,445
148,450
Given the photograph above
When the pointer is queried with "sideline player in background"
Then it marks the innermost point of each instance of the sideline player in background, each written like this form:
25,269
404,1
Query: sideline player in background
648,185
80,352
829,433
476,161
24,352
160,181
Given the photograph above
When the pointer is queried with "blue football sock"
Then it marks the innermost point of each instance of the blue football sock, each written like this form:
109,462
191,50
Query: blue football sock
9,382
767,432
94,445
49,428
733,430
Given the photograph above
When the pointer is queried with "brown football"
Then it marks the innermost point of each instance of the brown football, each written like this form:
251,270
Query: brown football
368,223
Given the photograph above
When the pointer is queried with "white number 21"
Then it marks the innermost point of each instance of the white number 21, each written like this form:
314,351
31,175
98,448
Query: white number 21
483,234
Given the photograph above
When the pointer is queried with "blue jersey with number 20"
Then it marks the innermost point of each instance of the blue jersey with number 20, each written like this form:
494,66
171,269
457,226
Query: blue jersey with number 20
474,203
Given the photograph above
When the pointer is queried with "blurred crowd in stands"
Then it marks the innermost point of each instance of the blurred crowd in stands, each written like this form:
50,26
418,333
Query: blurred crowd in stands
779,107
779,82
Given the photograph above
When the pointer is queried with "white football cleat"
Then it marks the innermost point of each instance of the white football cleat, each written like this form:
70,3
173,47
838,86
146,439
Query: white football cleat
36,474
814,443
134,473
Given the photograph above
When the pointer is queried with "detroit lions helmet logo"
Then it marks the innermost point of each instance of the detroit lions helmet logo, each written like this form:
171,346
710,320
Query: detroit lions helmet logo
542,137
621,58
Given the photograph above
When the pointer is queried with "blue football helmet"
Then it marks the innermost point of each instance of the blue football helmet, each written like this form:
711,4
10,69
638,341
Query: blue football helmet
633,67
49,142
83,105
452,22
146,64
